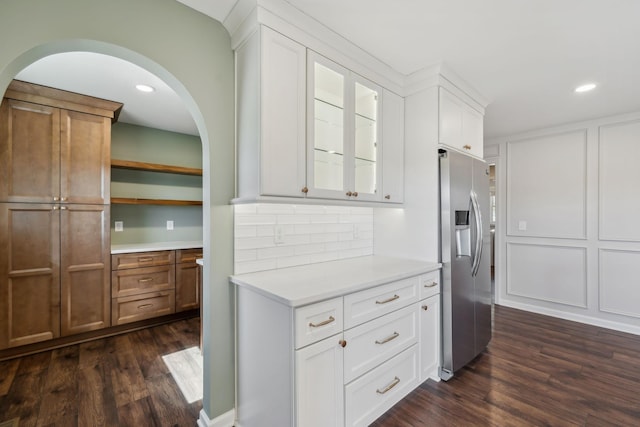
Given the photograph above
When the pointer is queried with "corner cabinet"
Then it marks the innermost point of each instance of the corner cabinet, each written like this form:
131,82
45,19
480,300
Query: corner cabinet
460,124
308,127
54,213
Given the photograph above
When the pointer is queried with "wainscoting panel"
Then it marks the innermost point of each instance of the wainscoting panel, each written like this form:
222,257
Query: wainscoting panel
548,273
619,285
546,186
619,151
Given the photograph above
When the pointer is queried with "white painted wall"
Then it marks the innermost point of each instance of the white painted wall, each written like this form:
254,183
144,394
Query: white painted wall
568,235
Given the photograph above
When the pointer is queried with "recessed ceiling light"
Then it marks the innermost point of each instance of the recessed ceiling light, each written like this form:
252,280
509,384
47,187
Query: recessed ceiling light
586,88
145,88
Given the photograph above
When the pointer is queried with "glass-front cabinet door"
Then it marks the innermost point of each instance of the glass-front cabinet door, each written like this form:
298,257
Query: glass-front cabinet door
343,128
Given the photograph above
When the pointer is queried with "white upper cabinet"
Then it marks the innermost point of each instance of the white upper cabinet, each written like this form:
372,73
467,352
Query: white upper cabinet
460,125
343,133
271,98
392,147
308,127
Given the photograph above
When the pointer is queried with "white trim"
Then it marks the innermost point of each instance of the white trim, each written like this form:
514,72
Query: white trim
589,320
225,420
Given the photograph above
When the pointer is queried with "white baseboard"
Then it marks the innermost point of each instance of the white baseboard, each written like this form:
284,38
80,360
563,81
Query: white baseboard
225,420
589,320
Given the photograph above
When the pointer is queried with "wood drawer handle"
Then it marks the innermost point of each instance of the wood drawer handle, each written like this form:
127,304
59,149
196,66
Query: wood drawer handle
326,322
389,338
394,383
145,280
393,298
431,285
140,307
145,259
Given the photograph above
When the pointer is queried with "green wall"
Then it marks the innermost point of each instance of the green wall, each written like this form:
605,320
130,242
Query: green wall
147,223
192,54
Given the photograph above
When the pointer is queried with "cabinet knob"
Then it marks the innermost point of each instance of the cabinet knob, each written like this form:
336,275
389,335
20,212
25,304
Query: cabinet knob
355,194
56,198
342,343
425,307
63,199
349,193
466,147
388,196
305,190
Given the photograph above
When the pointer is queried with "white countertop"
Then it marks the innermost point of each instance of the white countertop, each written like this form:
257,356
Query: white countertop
307,284
161,246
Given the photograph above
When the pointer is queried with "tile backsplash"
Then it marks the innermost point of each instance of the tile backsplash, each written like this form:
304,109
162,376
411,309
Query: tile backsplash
270,236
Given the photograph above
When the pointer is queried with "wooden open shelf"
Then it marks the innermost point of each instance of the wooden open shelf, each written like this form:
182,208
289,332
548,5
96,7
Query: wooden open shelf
131,201
154,167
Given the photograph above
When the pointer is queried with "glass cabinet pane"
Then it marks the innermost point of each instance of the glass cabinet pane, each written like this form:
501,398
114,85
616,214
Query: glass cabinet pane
366,114
328,107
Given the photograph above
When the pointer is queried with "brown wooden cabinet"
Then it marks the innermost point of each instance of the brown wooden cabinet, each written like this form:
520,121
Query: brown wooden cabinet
187,287
142,285
54,213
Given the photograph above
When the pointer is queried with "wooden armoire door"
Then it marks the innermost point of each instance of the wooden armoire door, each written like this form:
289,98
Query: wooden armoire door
85,158
29,273
29,152
85,268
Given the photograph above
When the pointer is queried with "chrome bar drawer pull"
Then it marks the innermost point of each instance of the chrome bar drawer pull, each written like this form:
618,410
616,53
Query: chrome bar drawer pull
394,383
143,306
145,259
145,280
326,322
430,285
393,298
389,338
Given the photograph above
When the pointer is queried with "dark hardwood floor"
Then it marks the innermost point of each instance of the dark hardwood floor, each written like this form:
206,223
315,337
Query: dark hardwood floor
116,381
537,371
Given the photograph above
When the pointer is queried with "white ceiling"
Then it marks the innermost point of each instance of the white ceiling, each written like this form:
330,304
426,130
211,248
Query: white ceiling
524,56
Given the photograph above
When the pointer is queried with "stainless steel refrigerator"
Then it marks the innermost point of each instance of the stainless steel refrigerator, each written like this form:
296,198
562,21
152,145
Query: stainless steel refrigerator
464,253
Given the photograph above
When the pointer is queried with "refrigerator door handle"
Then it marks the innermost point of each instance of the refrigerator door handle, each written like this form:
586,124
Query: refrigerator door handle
479,238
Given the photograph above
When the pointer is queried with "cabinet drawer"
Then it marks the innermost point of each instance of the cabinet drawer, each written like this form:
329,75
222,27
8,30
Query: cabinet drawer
318,321
137,280
372,343
142,306
365,305
142,259
188,255
371,395
429,284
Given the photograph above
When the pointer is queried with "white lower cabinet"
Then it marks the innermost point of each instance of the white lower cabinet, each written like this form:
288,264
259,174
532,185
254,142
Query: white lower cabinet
319,384
337,362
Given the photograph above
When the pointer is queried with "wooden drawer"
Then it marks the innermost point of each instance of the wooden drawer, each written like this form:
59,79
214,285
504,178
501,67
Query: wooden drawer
429,284
374,393
318,321
142,306
142,259
372,343
138,280
188,255
365,305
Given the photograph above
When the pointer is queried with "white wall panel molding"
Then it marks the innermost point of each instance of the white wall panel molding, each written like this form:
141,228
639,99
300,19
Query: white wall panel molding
618,281
555,274
618,178
547,186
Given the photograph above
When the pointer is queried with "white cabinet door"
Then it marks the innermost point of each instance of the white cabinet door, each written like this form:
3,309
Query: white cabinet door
283,87
429,337
343,132
460,125
392,148
319,384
